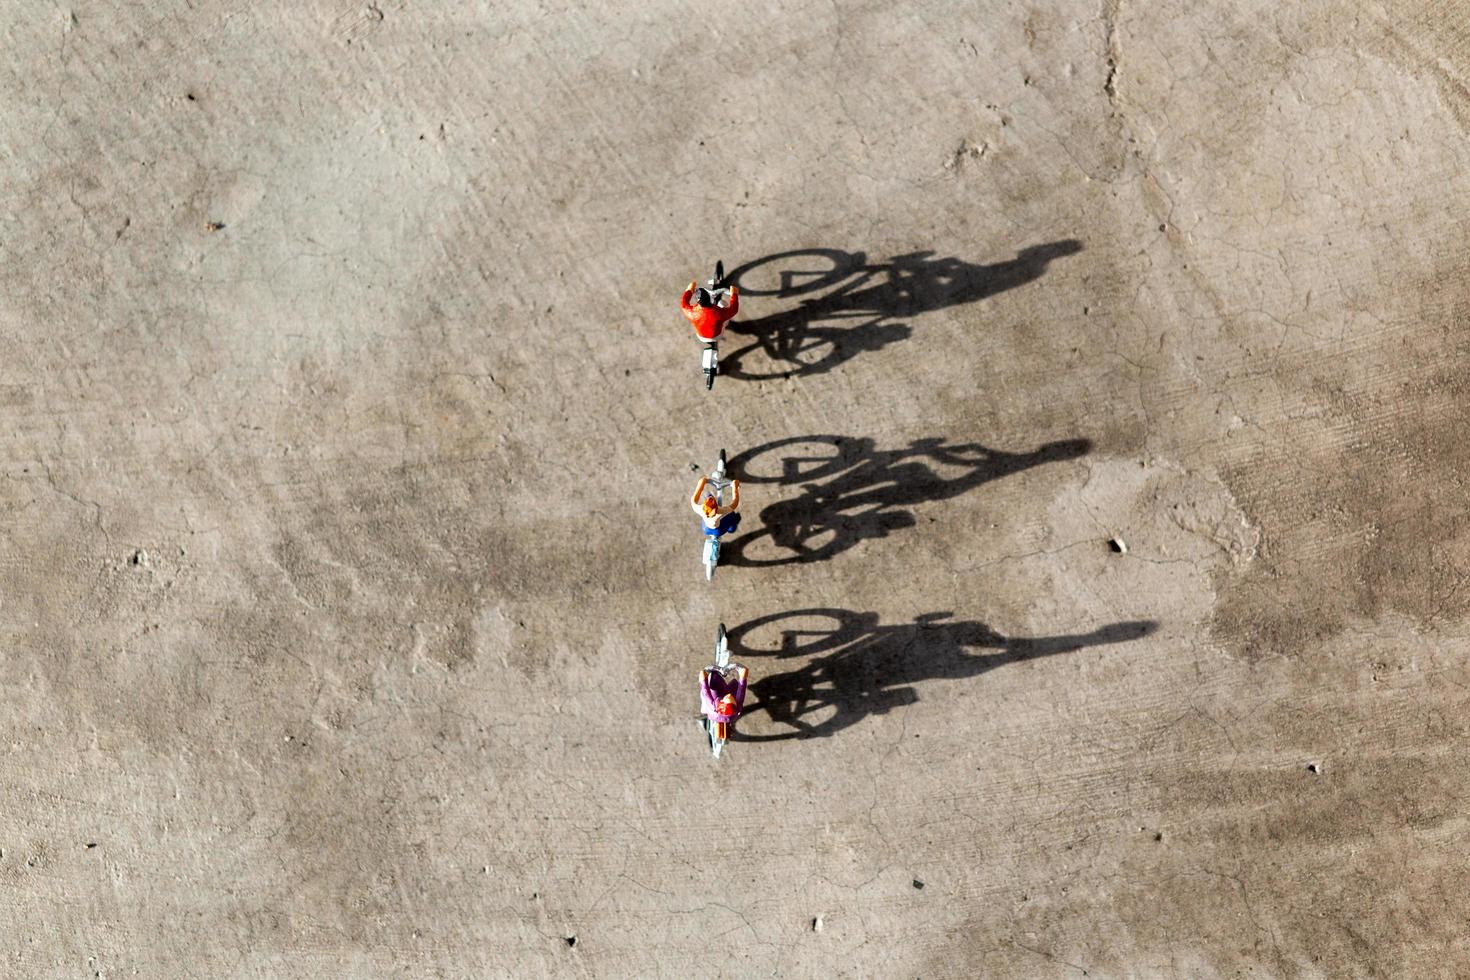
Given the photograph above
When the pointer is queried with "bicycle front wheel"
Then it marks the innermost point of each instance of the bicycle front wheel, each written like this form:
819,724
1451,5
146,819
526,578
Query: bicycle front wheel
722,648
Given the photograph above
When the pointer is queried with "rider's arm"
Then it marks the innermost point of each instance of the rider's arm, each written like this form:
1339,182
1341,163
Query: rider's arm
694,500
684,300
706,696
740,677
734,305
735,502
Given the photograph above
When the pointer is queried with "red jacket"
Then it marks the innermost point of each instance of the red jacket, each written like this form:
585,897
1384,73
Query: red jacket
709,321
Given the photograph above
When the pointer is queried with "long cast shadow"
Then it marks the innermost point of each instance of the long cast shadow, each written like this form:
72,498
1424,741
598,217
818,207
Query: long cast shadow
871,669
852,492
861,304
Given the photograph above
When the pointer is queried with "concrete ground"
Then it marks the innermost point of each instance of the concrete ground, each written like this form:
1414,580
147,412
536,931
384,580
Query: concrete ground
1100,393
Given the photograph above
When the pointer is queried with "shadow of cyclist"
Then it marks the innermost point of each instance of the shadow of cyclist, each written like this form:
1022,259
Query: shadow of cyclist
871,669
815,336
852,492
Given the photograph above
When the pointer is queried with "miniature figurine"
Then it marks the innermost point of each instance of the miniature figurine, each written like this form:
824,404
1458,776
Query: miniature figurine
708,315
721,694
717,502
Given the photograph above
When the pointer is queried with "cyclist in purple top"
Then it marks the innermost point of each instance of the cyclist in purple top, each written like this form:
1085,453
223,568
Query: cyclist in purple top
720,697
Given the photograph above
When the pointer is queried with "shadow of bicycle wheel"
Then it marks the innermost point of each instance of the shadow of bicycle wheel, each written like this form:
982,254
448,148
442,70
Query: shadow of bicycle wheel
848,306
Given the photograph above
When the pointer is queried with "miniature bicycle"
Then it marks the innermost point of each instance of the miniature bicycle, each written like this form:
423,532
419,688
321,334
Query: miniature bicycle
718,485
711,356
718,731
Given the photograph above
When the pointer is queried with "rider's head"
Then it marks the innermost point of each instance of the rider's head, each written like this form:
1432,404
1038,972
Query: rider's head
727,705
703,298
711,507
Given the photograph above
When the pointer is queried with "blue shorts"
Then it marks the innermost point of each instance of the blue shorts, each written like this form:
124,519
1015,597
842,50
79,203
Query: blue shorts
727,524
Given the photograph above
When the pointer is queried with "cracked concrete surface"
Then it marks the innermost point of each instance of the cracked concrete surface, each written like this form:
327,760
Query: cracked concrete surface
351,606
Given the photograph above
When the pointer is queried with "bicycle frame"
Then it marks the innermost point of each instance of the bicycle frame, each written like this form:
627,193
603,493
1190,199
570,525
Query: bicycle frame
718,732
710,359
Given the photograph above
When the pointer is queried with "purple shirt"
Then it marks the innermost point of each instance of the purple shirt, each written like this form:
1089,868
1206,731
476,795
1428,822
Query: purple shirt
713,686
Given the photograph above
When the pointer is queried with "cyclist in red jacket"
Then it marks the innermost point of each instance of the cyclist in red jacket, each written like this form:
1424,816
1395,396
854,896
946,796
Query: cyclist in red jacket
708,318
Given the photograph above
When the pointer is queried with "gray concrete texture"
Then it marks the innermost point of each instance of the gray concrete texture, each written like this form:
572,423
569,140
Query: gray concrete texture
350,602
